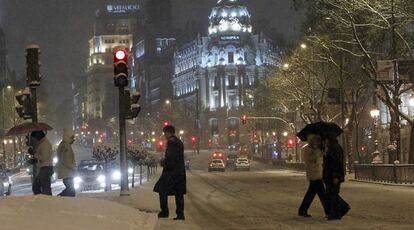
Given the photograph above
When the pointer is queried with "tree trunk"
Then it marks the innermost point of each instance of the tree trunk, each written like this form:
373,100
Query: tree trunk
394,136
411,149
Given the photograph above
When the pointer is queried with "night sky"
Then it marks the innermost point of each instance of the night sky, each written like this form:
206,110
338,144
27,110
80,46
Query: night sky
62,28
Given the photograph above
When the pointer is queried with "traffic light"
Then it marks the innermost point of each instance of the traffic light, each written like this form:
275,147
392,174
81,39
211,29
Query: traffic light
132,108
244,119
121,68
291,142
24,109
166,123
33,65
161,144
193,139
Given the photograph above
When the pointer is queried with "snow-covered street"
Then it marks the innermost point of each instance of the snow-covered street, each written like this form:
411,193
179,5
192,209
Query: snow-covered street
264,198
268,199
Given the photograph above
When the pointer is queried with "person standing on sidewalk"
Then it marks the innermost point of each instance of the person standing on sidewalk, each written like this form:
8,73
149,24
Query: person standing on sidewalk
313,158
173,178
44,162
66,163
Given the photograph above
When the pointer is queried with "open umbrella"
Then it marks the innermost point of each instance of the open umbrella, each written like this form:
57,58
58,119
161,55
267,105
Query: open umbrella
328,129
324,129
28,127
309,129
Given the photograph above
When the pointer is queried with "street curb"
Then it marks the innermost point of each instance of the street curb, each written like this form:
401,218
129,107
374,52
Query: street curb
383,183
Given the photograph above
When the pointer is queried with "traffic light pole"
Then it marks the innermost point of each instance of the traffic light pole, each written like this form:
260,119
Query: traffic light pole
122,143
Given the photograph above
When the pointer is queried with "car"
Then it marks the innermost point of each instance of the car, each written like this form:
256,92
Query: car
219,155
5,181
242,163
231,159
90,176
216,165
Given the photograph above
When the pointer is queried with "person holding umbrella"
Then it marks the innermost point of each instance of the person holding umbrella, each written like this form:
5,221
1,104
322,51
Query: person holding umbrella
44,164
334,175
313,158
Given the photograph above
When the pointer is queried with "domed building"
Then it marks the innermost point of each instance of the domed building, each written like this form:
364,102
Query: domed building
217,73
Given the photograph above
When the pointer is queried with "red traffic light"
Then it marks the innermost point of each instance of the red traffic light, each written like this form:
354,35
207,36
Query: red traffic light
291,142
244,119
120,55
193,139
166,123
161,143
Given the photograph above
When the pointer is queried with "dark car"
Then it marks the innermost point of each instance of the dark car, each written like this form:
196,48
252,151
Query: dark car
231,159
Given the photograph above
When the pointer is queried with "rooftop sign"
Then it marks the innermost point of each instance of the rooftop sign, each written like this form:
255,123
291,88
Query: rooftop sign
122,8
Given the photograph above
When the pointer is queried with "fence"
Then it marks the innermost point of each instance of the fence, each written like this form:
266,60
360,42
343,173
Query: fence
385,173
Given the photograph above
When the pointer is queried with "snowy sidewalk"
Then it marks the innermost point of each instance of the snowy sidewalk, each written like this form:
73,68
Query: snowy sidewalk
46,212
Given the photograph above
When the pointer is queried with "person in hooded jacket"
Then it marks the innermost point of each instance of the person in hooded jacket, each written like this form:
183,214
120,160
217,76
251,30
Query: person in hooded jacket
66,165
44,164
173,178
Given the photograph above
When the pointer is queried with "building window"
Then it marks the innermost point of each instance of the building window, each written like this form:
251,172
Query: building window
231,57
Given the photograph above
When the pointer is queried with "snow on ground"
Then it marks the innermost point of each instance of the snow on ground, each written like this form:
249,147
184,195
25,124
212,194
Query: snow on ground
47,213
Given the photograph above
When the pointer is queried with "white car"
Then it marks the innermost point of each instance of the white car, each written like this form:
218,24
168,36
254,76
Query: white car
216,165
242,163
5,182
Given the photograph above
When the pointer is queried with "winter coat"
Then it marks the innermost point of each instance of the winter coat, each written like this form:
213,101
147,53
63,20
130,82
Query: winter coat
173,178
43,153
313,159
333,163
66,166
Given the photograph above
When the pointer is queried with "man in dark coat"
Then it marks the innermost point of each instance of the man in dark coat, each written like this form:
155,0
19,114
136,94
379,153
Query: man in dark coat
173,179
333,176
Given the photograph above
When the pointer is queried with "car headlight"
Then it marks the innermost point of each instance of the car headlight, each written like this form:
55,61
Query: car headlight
76,186
5,185
77,180
130,170
116,175
101,178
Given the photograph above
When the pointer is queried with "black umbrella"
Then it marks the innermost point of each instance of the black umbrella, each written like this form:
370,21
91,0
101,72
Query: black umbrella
329,129
324,129
309,129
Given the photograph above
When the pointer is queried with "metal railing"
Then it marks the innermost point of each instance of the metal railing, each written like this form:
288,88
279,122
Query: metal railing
385,173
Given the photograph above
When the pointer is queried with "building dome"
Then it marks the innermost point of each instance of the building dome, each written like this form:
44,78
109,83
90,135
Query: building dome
229,16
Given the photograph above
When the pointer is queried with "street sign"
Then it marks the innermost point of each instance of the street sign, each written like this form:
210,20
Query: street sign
385,70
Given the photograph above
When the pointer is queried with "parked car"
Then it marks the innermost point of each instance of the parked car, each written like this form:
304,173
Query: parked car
216,165
242,163
5,181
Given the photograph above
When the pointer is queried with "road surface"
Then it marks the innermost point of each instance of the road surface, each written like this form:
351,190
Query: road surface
265,198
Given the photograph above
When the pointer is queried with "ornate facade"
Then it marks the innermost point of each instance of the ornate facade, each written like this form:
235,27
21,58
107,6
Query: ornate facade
220,71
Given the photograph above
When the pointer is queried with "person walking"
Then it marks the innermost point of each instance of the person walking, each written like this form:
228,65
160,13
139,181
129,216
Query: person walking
66,165
313,159
44,164
172,181
333,176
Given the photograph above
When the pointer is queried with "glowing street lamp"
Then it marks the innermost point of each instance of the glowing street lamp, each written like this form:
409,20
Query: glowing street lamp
181,132
285,134
167,102
286,66
411,100
375,113
303,46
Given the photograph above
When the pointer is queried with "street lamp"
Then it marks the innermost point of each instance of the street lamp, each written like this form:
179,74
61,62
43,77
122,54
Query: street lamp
167,102
303,46
181,132
285,134
286,66
376,154
411,100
